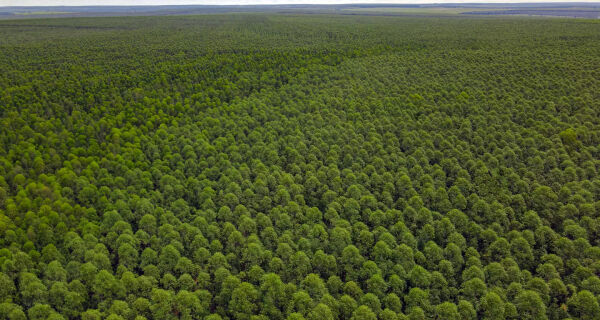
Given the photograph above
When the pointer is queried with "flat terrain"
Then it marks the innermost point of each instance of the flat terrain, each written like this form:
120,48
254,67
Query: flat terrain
571,13
299,165
420,10
577,10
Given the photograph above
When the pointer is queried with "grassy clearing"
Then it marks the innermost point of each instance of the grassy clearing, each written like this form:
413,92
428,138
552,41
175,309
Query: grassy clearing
418,11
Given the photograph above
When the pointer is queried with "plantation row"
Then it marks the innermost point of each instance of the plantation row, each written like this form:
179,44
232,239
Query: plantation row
261,166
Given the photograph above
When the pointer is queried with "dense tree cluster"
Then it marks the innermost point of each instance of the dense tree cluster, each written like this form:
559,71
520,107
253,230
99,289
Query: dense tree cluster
299,167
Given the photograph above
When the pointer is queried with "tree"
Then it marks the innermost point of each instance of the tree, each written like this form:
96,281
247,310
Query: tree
314,286
274,297
187,305
584,305
106,287
466,310
32,290
12,311
55,272
492,307
169,256
320,311
7,287
162,304
243,301
530,306
299,265
370,300
419,277
447,310
473,290
392,302
363,313
417,298
569,137
43,311
351,261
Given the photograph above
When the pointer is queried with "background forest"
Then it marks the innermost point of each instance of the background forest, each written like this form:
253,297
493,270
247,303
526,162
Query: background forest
253,166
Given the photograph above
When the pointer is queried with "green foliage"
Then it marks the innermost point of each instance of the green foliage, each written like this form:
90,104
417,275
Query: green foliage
263,166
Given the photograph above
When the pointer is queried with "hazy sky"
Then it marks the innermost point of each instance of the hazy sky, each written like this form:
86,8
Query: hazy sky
229,2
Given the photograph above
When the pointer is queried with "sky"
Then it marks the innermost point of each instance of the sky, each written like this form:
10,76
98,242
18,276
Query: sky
237,2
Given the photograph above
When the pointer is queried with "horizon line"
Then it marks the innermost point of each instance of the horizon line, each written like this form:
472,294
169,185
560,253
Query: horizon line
315,4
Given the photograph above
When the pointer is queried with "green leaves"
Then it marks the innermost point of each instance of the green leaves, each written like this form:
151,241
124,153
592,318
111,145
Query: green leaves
257,166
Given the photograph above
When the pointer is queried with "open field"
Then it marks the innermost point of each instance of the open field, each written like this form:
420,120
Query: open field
584,10
419,11
33,13
567,13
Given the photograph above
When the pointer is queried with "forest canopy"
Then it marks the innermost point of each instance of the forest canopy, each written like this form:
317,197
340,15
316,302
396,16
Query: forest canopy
264,166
